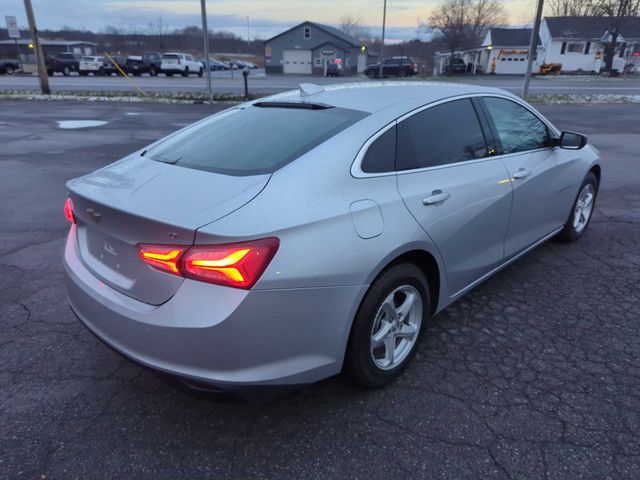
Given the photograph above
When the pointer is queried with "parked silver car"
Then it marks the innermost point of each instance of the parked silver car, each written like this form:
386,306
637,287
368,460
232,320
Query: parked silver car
286,239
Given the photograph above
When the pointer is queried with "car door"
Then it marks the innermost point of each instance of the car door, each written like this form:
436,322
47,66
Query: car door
458,193
390,66
543,177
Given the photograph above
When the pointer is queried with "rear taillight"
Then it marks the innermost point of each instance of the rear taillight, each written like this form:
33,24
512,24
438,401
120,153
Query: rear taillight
68,210
237,265
162,257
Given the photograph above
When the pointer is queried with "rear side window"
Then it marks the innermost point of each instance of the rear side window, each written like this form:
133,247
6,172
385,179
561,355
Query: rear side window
381,154
519,130
253,140
443,134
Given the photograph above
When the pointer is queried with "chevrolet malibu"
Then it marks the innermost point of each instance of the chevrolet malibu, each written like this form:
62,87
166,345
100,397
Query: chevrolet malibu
287,239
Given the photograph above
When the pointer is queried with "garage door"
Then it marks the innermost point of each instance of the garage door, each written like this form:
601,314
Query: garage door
512,64
297,61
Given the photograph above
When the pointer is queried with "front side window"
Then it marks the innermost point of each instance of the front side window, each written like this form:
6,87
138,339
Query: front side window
440,135
253,140
519,130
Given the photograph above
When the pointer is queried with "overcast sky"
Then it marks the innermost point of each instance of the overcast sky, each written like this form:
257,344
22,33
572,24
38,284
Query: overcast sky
267,17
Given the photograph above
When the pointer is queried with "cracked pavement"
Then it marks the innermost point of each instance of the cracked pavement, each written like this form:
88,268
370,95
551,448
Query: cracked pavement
535,374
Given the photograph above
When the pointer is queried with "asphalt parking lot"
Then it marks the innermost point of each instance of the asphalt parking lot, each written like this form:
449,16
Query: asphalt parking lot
534,374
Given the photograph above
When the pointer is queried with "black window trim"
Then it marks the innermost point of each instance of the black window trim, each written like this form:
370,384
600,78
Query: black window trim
356,166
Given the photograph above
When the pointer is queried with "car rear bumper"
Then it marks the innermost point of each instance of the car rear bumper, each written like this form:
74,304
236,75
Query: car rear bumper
221,336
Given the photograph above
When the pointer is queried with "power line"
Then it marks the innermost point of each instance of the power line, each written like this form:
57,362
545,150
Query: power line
367,5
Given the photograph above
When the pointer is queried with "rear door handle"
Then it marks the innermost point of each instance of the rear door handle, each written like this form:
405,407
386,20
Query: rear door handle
522,173
436,197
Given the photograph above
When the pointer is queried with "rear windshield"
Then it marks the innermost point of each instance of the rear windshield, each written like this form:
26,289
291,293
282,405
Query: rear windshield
253,140
170,57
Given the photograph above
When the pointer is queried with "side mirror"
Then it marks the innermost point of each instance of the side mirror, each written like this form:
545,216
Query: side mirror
572,141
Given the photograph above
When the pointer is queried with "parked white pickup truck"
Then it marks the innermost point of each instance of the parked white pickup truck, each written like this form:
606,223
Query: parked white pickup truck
182,63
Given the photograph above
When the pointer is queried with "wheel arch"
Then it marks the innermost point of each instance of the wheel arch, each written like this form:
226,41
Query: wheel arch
425,261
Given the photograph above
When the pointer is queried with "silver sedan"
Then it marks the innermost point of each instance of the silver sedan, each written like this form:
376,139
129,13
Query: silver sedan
285,240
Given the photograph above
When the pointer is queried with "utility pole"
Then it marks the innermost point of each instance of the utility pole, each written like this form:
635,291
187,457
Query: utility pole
533,48
205,35
37,48
384,22
248,35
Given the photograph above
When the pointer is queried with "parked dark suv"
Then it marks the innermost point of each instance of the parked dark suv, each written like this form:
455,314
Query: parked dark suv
65,63
149,62
456,65
394,66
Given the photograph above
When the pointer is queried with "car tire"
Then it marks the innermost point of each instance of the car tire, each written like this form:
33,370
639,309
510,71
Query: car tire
50,73
9,70
83,74
200,72
371,74
153,72
581,211
169,74
66,71
385,319
186,72
101,72
402,73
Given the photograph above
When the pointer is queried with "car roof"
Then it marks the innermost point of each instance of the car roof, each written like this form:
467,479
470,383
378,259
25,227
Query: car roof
375,96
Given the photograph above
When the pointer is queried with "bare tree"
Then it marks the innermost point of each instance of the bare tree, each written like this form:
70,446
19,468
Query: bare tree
463,23
617,18
571,8
351,26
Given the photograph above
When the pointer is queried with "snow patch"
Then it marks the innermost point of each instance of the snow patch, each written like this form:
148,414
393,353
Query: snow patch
74,124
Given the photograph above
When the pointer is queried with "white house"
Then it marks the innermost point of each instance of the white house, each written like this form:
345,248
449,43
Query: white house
508,50
578,43
503,51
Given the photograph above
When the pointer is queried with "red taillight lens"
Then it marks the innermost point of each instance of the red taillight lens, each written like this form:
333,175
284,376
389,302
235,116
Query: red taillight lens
68,210
233,264
162,257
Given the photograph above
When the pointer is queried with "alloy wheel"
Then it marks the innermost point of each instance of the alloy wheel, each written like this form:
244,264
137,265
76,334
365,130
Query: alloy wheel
584,208
396,326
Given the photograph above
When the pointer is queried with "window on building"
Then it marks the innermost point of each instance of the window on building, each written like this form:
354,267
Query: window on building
318,62
307,32
575,47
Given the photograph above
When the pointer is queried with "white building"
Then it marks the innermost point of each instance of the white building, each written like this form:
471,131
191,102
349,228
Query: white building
503,51
577,43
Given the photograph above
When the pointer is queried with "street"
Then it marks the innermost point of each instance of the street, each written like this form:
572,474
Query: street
259,83
534,374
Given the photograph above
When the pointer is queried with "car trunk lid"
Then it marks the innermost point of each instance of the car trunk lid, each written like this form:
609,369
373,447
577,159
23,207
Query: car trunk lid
138,200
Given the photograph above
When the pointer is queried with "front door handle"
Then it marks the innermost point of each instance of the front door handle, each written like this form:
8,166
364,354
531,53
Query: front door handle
522,173
436,197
